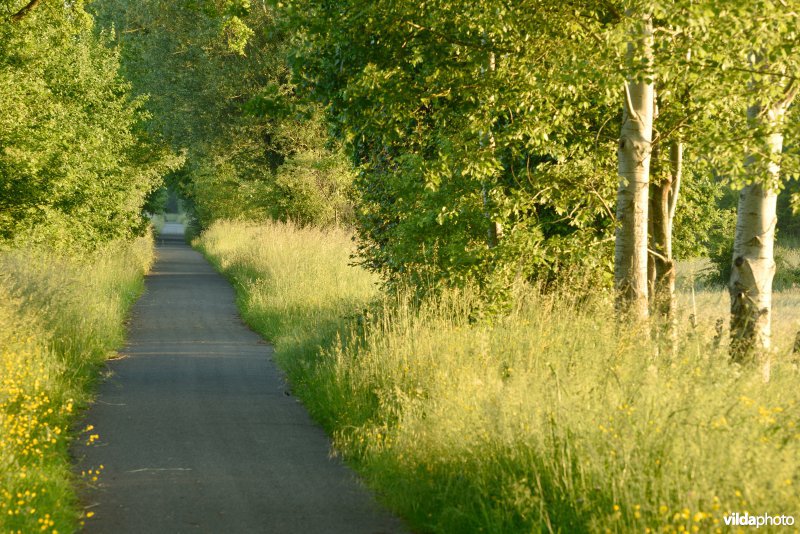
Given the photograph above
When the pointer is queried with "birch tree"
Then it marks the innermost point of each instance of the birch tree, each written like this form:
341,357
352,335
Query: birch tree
753,258
634,152
771,30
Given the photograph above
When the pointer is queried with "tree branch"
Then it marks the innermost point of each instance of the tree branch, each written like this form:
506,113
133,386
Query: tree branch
629,104
676,168
604,203
790,93
762,72
19,15
657,255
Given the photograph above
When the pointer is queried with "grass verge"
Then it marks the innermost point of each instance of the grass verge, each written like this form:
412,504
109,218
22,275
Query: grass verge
60,317
550,419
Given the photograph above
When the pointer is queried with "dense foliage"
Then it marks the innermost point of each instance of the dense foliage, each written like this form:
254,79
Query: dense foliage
221,93
459,117
464,115
74,167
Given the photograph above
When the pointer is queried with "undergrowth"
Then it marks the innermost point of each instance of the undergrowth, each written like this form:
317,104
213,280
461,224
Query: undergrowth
60,317
552,418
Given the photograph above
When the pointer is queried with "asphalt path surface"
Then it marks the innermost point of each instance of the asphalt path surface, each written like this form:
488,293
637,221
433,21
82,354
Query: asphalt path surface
197,432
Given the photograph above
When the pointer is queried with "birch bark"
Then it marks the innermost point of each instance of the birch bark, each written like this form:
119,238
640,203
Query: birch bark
630,251
753,260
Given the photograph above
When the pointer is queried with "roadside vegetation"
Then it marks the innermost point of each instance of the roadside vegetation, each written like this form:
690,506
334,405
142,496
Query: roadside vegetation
547,418
61,316
500,339
77,171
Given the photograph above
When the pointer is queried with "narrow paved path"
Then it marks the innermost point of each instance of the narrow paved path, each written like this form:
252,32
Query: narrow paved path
196,432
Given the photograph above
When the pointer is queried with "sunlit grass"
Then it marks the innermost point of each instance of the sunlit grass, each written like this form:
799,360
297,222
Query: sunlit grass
550,419
60,316
295,285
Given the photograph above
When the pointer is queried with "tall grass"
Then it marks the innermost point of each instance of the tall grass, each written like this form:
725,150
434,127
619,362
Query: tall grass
60,317
550,419
295,285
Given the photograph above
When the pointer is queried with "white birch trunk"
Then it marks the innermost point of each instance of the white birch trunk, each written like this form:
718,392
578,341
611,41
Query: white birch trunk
753,260
630,251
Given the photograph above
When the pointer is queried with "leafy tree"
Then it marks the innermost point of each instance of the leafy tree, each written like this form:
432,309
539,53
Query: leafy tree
74,167
220,91
463,115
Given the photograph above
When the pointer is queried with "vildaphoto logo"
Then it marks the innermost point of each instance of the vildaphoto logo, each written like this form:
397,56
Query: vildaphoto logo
747,520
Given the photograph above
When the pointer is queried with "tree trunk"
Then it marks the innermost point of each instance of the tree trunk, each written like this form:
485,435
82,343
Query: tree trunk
630,251
495,232
495,229
753,261
663,199
752,273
